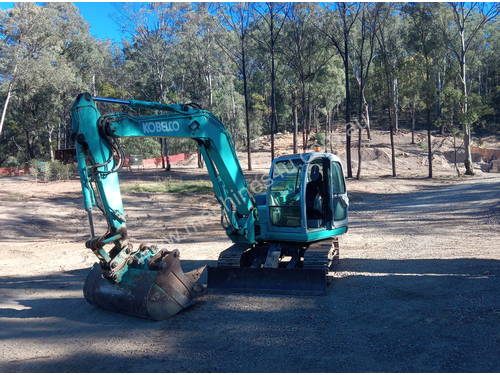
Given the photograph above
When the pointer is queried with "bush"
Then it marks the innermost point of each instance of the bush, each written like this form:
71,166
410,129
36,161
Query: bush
11,162
60,171
51,170
318,139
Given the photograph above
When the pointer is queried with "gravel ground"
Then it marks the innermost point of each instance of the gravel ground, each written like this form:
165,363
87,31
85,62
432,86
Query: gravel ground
416,290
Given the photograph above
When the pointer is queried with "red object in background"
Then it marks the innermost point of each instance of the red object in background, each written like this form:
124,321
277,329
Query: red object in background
14,171
146,163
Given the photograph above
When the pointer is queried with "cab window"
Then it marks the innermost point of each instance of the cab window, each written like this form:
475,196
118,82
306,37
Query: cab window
285,193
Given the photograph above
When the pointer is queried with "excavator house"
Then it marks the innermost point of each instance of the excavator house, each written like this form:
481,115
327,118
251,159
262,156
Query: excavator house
284,240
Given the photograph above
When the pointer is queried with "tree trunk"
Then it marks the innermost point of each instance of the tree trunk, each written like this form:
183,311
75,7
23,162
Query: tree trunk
330,124
467,130
50,132
29,146
6,103
165,160
303,115
367,116
455,154
327,130
210,91
393,154
245,92
295,122
94,89
167,156
429,141
358,173
199,158
347,111
395,104
273,93
413,124
7,98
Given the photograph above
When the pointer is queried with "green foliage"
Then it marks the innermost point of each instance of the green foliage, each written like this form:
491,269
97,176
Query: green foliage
45,171
318,139
188,52
11,162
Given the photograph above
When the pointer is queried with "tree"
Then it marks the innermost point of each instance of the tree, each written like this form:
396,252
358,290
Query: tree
423,38
155,30
337,24
390,53
237,18
364,47
306,57
468,19
274,17
41,41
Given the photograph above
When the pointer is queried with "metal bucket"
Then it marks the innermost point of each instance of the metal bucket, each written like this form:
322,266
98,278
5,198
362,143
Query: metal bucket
155,294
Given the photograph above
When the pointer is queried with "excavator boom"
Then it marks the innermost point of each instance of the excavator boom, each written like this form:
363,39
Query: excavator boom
127,279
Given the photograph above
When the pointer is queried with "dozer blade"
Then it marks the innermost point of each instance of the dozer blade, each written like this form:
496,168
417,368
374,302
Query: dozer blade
310,282
151,294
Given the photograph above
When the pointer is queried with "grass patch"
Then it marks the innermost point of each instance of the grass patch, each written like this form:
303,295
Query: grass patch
170,186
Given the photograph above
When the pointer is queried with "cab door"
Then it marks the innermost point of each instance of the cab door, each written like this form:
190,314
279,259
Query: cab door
340,201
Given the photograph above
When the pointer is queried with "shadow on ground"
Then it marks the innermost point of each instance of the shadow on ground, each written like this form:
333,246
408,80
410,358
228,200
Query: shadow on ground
380,315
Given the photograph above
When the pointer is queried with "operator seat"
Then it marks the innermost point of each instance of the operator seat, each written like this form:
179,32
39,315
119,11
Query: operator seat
314,198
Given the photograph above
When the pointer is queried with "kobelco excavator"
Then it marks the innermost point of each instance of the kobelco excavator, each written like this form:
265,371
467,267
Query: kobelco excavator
284,240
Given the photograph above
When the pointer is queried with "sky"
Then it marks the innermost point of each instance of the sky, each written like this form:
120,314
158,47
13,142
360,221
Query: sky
99,17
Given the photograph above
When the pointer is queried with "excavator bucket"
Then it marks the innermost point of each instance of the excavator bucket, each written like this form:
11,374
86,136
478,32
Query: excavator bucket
156,293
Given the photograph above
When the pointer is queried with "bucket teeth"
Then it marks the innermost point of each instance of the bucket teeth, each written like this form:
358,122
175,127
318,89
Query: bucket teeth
156,293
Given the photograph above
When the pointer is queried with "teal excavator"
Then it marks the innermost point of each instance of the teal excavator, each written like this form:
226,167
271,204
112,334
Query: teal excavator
284,240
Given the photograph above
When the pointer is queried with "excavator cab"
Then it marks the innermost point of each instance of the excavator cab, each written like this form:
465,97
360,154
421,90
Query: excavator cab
300,216
306,198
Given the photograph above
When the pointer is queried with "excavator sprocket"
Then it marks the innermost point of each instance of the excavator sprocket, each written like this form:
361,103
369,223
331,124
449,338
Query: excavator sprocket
155,293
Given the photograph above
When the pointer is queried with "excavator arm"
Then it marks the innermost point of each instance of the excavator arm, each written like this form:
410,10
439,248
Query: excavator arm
99,158
146,281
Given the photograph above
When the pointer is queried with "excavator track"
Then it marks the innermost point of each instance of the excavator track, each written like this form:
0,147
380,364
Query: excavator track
231,257
309,277
321,254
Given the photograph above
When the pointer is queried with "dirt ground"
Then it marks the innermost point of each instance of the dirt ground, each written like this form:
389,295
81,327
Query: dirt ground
416,290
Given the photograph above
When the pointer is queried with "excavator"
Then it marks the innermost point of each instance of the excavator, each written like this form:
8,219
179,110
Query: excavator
284,240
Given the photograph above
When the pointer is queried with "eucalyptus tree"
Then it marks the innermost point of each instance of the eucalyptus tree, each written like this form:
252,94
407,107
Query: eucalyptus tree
363,50
461,30
390,56
327,89
412,91
337,23
40,41
154,29
273,16
306,55
237,18
425,42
